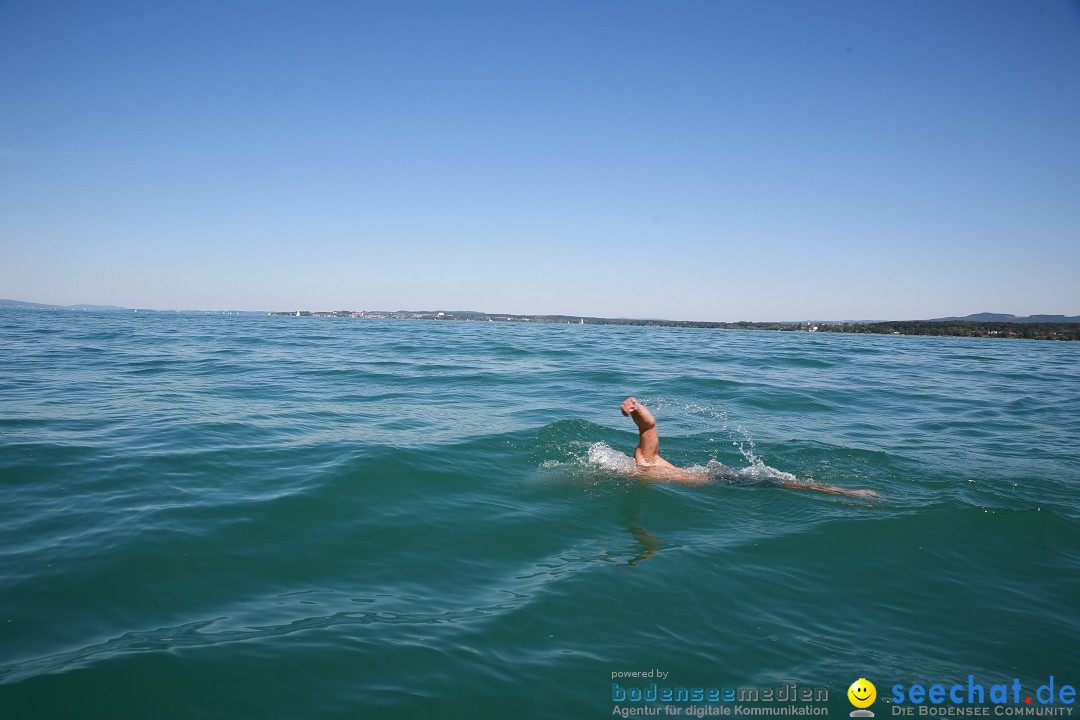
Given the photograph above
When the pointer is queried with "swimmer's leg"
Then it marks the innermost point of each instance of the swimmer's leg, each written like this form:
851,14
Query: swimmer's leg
734,477
830,489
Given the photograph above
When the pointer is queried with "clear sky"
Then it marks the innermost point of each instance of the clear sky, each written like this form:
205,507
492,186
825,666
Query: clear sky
715,160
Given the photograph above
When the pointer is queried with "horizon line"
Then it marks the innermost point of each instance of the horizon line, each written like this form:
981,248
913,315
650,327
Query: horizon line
87,307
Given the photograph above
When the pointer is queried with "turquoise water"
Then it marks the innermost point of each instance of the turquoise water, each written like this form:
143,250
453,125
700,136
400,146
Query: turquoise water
249,517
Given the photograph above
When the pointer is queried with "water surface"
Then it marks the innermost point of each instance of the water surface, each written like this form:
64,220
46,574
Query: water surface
218,516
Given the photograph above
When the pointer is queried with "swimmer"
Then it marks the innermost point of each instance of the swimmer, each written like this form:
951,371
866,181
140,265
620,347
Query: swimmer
655,468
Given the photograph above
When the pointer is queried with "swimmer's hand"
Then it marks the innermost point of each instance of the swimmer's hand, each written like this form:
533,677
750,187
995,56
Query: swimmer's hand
628,406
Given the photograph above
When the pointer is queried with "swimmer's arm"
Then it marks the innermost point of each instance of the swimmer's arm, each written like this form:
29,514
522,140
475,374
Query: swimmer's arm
649,444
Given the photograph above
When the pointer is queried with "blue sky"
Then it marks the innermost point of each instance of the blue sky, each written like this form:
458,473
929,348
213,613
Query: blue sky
720,160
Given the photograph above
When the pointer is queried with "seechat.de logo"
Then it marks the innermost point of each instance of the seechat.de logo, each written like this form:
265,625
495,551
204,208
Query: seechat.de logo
862,694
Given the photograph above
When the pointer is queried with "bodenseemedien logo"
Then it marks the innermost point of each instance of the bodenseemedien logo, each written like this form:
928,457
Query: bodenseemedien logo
862,694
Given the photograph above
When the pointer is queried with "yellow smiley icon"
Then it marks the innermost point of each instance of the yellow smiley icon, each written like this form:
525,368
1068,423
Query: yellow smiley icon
862,693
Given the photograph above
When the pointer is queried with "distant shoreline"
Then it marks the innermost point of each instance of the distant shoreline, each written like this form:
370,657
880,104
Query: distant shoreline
939,328
982,325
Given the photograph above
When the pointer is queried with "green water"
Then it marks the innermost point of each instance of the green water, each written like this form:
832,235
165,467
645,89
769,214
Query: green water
252,517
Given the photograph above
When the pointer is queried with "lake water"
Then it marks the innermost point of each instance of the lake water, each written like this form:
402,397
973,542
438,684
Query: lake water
262,517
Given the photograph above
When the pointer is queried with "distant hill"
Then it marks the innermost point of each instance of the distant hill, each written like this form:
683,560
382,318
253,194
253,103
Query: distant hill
24,305
1004,317
27,305
43,306
94,308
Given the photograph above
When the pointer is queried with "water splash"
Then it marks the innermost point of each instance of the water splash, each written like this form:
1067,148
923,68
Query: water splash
756,473
579,452
603,457
607,458
695,417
